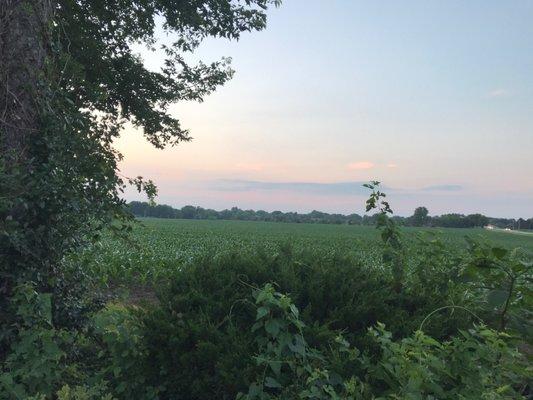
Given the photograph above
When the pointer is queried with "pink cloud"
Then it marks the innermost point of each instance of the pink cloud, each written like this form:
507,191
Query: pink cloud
392,165
361,165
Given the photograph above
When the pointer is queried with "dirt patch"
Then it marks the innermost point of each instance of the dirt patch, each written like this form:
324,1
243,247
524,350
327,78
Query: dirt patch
133,294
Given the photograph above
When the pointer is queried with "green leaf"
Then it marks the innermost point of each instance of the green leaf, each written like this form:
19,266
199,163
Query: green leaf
496,297
275,366
254,390
272,383
261,312
272,327
294,310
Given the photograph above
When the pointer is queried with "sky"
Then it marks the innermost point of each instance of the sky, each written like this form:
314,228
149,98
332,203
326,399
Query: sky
432,98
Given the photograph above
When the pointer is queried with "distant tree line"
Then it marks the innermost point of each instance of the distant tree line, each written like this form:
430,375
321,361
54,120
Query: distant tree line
419,218
143,209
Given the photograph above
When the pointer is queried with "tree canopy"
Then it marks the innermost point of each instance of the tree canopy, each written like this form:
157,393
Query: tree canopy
70,80
420,216
105,75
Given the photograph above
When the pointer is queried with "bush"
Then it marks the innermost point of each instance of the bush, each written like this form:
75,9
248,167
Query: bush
207,339
123,356
45,361
477,364
36,359
43,358
198,341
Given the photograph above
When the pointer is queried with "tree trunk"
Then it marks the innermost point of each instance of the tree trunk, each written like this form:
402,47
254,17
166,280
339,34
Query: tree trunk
24,44
23,49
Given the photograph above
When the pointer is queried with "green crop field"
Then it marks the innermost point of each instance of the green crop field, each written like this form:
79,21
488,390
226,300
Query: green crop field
193,294
159,247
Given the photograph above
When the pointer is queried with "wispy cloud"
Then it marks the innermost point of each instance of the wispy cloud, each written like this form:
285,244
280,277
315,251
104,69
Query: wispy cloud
336,188
361,165
392,165
443,188
495,93
320,188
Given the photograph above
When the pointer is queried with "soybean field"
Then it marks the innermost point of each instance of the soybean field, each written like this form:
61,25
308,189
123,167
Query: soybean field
158,248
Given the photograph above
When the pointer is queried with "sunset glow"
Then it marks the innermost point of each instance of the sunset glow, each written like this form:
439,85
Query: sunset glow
417,95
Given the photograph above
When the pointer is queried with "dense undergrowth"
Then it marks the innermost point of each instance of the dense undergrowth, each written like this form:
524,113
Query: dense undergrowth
288,324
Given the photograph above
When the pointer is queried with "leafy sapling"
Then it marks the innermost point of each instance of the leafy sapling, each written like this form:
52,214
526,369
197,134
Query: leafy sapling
393,250
288,367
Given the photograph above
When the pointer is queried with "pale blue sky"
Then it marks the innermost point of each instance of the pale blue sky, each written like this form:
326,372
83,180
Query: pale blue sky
434,98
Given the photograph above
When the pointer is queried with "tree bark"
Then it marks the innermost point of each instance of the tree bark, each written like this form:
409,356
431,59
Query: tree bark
24,44
23,50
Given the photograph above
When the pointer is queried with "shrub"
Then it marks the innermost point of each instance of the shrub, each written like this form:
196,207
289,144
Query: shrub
479,363
47,362
198,341
476,364
36,360
42,358
123,356
287,366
